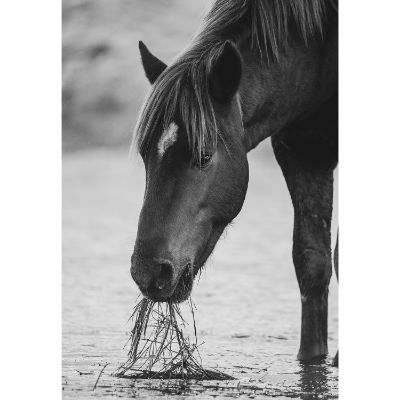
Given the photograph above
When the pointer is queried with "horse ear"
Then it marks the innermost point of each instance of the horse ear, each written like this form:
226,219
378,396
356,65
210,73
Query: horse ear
153,67
226,74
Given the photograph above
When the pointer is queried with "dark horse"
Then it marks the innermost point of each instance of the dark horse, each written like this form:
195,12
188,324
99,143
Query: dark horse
256,69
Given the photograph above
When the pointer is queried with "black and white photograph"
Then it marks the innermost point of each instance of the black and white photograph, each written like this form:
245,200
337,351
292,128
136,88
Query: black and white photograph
173,196
215,234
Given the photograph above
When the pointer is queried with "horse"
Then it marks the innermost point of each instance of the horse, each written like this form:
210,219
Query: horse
255,69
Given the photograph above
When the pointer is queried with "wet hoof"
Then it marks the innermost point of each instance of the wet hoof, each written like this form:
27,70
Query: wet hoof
316,360
335,362
313,355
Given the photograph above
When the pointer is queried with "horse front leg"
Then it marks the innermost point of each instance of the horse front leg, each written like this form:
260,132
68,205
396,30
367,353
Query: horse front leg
310,184
312,257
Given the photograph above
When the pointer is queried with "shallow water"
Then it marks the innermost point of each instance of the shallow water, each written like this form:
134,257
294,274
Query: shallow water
248,303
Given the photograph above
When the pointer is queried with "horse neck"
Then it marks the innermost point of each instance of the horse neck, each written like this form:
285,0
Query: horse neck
277,93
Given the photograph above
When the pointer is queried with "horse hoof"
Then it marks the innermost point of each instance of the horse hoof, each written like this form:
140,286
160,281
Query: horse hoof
313,355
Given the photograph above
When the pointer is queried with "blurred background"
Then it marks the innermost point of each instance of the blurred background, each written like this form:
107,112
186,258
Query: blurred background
248,302
103,80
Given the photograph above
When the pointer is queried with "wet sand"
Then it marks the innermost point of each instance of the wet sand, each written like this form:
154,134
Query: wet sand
247,299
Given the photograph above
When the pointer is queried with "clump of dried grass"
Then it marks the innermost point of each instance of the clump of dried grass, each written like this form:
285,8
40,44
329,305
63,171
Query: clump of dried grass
159,349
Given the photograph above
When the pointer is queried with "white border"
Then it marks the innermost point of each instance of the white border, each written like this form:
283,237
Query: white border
369,199
30,176
31,196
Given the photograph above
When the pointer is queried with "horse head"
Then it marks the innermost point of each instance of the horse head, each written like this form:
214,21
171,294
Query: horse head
196,169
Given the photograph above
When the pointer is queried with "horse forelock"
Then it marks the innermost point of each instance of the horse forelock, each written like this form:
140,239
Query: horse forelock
180,95
181,92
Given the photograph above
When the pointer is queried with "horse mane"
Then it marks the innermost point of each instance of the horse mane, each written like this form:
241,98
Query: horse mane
183,87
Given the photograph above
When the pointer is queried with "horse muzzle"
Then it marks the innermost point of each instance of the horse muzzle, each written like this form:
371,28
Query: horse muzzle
162,280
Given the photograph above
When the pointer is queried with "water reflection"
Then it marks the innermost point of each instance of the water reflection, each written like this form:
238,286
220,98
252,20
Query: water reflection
314,380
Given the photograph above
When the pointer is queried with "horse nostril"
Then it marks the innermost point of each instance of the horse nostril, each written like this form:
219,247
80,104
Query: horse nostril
164,276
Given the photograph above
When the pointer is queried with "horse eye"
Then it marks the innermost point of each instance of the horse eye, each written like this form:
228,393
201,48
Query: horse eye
204,160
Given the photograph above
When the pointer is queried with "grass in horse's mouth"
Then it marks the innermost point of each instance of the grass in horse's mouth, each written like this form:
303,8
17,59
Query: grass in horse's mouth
159,350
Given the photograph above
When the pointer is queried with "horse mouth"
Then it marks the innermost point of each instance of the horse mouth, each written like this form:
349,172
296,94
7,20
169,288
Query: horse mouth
180,292
184,286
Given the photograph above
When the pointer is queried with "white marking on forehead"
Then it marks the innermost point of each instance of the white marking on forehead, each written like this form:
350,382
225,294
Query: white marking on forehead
168,138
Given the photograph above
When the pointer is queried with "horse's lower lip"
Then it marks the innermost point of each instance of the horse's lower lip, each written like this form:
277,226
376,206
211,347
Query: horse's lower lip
155,294
156,297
